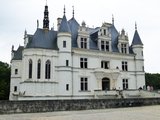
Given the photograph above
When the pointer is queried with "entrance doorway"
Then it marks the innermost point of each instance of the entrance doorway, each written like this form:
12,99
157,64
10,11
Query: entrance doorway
105,84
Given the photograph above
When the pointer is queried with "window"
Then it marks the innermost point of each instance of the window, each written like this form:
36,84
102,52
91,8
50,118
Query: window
124,66
30,68
104,45
84,43
142,53
124,48
67,87
67,62
16,71
142,68
105,64
47,69
104,32
64,44
125,84
83,63
15,88
84,84
39,69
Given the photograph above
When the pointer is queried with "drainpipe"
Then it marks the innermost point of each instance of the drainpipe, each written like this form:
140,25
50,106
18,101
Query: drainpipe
72,72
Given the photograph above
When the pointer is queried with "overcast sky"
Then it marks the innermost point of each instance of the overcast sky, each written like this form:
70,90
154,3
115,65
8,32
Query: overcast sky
18,15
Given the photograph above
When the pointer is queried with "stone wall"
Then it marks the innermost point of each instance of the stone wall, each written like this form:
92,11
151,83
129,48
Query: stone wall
7,107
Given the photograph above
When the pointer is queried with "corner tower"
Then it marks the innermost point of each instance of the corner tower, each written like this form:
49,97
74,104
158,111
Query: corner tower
137,47
64,58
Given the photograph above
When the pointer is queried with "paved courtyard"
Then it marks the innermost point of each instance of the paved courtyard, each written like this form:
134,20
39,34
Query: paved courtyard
134,113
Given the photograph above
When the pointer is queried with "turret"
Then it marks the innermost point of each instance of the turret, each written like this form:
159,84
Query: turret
137,45
64,35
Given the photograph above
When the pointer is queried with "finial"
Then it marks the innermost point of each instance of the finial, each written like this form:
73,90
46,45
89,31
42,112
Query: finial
25,32
37,23
52,27
73,10
83,24
64,10
112,19
135,26
12,48
46,2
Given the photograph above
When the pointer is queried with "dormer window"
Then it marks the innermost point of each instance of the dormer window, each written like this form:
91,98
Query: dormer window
124,48
105,45
84,43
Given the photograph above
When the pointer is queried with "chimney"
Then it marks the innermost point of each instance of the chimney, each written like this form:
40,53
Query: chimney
59,20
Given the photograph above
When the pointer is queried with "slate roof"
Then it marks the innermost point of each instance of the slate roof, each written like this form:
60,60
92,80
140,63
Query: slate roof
114,38
64,27
43,38
18,53
47,39
74,26
136,39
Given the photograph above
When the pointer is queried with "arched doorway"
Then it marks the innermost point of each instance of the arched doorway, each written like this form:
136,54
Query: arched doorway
105,84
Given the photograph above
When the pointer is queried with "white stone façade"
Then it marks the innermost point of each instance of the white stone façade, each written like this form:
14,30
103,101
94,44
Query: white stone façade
75,61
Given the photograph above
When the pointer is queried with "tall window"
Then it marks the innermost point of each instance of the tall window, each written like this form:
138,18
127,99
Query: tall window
67,62
30,68
16,71
67,87
142,53
47,69
64,44
84,84
125,84
124,66
39,69
83,63
84,43
105,64
15,88
104,45
104,31
124,48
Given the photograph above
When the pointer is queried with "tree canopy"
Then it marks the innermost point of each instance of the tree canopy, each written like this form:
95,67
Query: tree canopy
4,81
153,80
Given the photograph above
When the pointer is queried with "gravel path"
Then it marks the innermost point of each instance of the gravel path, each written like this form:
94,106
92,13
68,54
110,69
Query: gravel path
134,113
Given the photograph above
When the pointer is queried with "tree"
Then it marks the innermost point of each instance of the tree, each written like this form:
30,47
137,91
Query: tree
4,80
153,80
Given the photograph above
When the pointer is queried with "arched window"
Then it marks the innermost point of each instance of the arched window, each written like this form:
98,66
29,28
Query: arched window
39,69
30,69
47,69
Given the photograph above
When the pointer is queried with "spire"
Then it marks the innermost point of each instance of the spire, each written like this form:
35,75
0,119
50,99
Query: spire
112,19
46,17
136,38
73,11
